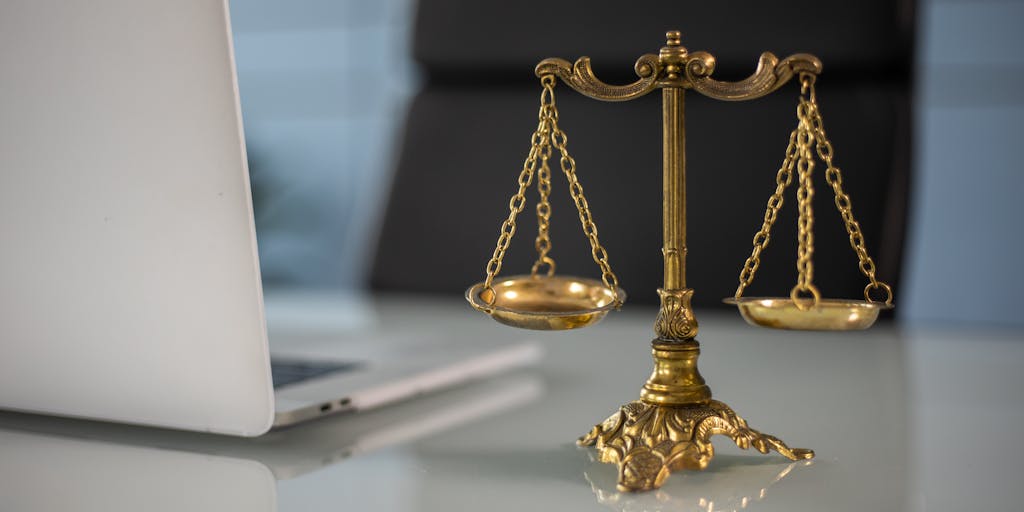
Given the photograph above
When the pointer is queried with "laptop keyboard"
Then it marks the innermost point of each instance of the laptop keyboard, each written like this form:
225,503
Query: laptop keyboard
285,373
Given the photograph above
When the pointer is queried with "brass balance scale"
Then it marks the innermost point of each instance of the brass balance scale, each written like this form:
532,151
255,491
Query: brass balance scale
671,426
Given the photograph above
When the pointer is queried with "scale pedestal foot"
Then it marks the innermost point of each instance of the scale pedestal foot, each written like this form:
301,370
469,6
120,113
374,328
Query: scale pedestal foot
670,427
650,441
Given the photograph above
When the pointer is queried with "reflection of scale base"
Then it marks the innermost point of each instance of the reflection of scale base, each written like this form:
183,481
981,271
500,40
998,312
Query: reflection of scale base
734,485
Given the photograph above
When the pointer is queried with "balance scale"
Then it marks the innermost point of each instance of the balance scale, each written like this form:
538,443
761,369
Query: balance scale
670,427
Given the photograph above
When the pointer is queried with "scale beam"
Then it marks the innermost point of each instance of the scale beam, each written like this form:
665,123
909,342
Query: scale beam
675,67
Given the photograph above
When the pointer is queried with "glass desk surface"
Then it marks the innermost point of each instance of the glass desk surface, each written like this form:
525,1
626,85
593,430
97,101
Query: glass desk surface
900,419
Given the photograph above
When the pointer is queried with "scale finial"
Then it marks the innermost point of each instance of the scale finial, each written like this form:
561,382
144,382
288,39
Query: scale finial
672,55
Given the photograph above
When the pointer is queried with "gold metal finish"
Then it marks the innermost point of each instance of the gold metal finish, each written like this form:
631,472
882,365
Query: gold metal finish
834,177
827,315
674,189
581,77
543,241
782,180
805,309
559,139
649,441
671,426
541,306
545,303
675,379
675,319
805,223
769,76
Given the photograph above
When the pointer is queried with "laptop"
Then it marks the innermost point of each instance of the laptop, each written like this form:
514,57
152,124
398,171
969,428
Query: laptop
103,466
129,280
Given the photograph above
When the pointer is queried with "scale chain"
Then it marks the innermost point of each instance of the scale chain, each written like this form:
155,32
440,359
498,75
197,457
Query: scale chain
834,178
543,241
568,165
810,132
547,134
782,180
805,222
518,200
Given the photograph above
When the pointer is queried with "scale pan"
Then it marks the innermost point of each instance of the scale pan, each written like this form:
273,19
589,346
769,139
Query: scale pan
545,303
828,315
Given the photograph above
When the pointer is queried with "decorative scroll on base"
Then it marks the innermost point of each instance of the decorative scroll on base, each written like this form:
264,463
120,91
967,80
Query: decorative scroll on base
648,442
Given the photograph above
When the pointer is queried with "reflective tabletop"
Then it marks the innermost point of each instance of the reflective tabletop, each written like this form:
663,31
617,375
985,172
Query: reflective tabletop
900,419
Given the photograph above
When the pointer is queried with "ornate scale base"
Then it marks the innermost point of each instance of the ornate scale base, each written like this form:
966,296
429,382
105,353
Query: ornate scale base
650,441
670,427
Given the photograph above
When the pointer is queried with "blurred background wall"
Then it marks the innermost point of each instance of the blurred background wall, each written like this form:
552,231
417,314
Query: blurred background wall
963,260
324,86
327,88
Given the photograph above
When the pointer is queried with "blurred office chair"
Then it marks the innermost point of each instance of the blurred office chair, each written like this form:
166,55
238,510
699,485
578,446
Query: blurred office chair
468,131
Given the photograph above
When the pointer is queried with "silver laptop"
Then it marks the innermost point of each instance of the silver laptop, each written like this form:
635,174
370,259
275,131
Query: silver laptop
129,280
106,467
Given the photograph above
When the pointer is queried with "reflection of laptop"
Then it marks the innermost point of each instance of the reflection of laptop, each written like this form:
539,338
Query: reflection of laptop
100,466
129,282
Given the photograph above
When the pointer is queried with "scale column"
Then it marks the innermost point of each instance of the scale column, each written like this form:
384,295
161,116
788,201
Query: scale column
671,426
675,379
